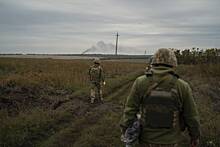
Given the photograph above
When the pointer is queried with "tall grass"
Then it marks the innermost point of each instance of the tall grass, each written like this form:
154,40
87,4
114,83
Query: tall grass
70,74
32,86
205,82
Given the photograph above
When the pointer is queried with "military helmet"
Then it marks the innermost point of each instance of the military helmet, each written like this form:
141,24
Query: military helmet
164,56
96,61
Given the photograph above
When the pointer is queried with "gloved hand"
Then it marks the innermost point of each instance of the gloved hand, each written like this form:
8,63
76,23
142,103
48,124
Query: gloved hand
104,83
194,142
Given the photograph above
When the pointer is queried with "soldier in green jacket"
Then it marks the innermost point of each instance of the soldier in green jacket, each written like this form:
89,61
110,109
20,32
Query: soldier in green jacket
165,103
97,80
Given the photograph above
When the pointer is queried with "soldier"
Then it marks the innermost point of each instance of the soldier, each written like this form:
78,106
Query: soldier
97,80
166,105
149,66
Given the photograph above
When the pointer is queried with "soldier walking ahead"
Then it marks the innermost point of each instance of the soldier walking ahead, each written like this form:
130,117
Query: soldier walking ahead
166,105
97,80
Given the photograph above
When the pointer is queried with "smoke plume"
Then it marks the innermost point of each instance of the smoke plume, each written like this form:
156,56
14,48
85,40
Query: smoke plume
108,48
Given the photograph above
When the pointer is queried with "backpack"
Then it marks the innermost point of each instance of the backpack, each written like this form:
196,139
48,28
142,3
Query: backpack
95,74
160,106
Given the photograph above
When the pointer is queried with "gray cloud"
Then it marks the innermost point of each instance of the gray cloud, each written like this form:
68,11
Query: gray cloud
54,26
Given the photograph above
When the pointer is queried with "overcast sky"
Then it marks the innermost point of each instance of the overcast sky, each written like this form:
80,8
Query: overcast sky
72,26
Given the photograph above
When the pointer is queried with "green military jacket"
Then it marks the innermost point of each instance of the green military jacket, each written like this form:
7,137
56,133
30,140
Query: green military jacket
187,105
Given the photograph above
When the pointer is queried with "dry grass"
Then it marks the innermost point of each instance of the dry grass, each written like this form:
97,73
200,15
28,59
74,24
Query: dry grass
29,89
71,74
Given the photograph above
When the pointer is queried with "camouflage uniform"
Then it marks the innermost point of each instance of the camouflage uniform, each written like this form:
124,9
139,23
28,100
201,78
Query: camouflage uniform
96,76
166,105
148,68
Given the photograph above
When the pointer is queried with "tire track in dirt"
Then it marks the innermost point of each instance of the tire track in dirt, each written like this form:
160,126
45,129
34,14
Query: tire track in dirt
114,107
85,116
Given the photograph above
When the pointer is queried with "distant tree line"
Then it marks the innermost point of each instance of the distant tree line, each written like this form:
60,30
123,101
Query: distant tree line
198,56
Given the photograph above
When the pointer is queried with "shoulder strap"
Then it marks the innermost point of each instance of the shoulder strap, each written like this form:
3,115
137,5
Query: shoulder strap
154,85
100,72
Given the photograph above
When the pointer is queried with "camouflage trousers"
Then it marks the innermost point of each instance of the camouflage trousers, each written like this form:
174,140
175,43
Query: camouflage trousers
96,92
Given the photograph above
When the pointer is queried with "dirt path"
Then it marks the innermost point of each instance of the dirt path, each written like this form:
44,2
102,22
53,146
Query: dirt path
85,116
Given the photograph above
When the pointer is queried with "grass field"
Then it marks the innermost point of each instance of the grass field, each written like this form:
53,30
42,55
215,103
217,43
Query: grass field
45,102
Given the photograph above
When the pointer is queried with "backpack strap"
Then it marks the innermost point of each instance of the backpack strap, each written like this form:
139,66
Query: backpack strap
90,78
150,88
155,85
100,72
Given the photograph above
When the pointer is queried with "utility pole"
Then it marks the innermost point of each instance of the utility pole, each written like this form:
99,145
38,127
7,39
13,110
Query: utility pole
116,45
